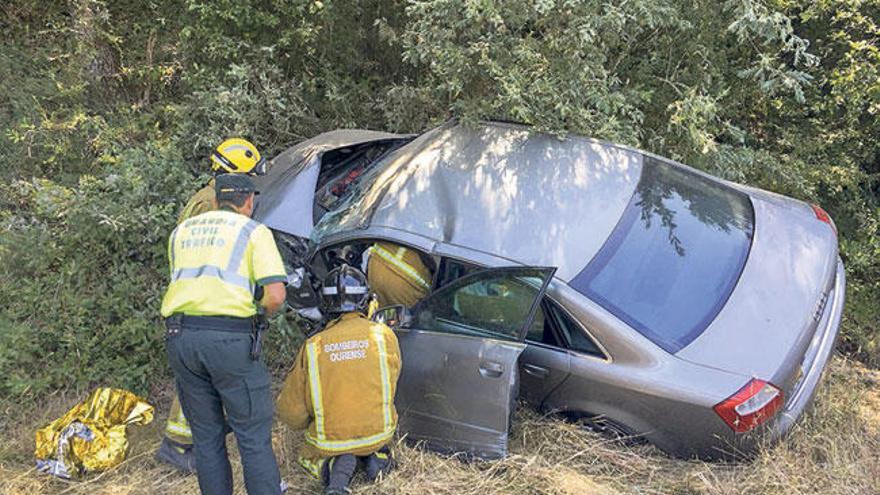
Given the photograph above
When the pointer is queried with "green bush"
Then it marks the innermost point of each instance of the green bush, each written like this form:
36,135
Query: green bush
110,109
82,269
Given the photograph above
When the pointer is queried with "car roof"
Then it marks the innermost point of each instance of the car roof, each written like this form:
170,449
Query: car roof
506,190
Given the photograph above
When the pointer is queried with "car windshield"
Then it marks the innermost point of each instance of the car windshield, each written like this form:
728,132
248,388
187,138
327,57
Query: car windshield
353,208
669,266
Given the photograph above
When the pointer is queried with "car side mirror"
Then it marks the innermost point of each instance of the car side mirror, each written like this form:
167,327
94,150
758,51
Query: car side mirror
395,316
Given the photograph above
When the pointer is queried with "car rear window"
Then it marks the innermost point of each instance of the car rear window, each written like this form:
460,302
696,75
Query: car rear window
672,261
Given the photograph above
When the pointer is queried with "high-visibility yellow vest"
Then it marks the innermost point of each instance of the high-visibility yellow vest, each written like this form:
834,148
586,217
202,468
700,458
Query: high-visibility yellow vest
217,259
397,274
342,388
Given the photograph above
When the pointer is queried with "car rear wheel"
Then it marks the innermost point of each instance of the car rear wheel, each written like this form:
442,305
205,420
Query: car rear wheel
608,428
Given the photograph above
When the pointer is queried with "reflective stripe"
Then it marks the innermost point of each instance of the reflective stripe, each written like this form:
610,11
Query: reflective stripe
399,263
332,291
314,468
379,335
171,250
241,242
315,385
320,439
233,147
339,445
178,429
178,425
230,273
233,278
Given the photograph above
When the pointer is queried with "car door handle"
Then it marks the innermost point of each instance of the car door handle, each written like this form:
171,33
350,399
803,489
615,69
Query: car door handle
491,369
536,371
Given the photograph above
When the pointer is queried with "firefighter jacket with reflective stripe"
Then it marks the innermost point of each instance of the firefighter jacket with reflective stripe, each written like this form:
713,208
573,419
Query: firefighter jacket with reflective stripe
342,388
177,427
202,201
397,275
217,259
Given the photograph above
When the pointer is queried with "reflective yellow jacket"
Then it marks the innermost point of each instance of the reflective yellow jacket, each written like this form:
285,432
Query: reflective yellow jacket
397,275
217,258
202,201
342,388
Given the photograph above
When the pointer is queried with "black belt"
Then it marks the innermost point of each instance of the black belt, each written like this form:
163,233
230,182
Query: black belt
219,323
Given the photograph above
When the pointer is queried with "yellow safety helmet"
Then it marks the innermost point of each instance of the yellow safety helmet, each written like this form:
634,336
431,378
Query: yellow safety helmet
238,156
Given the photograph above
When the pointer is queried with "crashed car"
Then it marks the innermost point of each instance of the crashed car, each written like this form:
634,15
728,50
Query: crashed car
610,285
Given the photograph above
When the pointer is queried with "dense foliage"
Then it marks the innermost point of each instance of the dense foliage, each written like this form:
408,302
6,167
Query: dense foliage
108,110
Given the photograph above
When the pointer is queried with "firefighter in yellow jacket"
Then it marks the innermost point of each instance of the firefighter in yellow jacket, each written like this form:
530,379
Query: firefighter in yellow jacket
342,386
397,274
234,155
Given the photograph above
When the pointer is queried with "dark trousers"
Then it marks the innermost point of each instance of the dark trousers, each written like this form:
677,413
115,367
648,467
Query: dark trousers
214,372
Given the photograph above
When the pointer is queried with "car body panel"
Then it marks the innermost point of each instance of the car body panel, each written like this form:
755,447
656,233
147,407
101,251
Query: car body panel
770,316
529,211
444,196
443,372
299,197
437,386
287,191
542,369
648,391
816,358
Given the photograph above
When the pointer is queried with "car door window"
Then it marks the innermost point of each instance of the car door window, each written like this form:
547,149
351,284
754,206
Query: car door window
541,330
554,327
452,270
574,335
494,303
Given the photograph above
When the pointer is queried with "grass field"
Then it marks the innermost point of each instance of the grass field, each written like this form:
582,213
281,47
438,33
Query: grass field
834,450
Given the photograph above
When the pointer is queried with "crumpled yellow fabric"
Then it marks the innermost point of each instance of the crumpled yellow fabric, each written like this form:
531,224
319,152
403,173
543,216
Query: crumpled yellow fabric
91,436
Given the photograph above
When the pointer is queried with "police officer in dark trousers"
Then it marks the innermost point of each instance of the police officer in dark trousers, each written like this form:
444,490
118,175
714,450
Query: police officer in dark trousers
218,261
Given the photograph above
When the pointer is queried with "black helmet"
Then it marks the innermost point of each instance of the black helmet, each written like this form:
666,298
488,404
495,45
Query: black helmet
345,289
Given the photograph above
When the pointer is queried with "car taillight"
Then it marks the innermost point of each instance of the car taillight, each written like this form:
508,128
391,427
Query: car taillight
753,405
823,216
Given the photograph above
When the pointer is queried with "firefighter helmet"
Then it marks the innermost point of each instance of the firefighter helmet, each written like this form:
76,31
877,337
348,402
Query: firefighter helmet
238,156
345,289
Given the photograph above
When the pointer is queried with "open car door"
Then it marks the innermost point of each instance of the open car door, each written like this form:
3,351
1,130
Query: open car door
459,378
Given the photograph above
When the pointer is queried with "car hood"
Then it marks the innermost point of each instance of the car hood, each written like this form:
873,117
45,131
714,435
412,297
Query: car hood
287,191
770,318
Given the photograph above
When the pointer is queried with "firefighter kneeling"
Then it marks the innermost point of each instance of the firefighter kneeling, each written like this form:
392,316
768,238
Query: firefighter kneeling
342,387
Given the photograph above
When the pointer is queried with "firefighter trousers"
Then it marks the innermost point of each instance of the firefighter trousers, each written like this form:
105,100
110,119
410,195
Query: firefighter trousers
214,372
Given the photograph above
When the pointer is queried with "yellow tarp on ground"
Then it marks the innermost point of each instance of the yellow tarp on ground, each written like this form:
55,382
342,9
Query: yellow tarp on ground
91,436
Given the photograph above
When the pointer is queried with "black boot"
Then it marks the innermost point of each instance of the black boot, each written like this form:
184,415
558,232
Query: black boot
337,474
178,455
377,463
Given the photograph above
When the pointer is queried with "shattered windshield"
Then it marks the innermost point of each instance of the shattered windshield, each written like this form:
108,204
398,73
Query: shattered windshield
352,209
675,256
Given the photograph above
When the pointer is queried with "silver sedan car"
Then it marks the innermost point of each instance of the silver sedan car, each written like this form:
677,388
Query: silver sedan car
593,280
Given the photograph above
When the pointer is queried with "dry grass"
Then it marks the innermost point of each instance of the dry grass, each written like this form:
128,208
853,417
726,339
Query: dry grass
834,451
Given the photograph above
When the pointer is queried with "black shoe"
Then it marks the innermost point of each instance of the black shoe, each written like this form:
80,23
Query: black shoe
337,472
378,463
180,456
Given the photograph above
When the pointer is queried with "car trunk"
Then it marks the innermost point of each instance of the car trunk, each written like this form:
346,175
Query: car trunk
769,322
